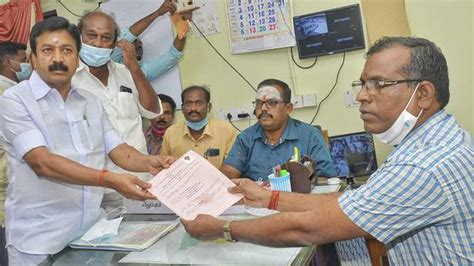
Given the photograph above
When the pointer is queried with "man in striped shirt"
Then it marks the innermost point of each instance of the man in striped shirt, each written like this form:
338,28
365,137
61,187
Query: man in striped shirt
419,202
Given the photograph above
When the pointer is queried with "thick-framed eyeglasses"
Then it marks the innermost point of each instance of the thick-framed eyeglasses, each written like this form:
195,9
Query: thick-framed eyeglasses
198,103
374,85
272,103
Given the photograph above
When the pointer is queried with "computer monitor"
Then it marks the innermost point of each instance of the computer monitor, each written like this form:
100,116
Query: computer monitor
353,153
328,32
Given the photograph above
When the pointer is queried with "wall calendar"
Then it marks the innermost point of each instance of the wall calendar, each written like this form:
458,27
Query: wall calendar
256,25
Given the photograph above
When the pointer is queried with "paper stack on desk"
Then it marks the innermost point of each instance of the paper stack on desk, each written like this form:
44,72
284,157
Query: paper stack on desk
193,186
132,236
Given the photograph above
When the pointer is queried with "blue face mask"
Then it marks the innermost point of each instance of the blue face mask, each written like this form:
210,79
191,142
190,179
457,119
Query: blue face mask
25,71
93,56
196,126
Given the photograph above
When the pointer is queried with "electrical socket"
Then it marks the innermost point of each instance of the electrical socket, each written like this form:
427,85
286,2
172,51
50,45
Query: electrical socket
297,101
351,99
309,100
241,113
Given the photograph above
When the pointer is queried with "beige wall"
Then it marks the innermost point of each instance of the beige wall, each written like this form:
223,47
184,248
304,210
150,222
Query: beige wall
442,21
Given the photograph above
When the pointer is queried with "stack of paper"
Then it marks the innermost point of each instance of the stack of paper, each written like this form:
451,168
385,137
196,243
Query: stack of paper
132,236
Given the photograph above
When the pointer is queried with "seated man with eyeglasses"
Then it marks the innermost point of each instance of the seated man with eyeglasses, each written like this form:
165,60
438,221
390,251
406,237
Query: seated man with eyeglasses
272,140
208,137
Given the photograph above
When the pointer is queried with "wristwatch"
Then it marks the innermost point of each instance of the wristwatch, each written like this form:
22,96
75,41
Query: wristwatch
227,235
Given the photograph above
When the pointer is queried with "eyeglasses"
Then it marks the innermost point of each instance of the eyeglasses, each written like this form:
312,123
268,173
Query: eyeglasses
374,85
272,103
198,103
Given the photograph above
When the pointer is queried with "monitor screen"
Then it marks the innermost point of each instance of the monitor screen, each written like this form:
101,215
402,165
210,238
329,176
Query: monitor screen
353,153
328,32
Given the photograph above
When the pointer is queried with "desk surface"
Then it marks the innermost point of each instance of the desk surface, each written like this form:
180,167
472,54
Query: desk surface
96,257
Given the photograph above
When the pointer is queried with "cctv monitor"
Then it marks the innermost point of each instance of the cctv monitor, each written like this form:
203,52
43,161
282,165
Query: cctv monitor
353,154
329,32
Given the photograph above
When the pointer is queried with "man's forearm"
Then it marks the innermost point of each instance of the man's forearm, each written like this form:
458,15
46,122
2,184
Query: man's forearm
298,202
128,158
146,93
61,168
140,26
324,223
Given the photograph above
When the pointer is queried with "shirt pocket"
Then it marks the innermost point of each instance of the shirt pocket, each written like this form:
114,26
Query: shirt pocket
93,134
128,106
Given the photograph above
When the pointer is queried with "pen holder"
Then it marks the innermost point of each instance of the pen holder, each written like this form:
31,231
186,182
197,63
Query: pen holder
281,183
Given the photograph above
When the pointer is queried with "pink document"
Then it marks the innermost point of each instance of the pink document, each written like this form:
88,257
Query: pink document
191,186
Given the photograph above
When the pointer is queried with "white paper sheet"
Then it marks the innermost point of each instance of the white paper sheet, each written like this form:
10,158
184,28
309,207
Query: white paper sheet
193,186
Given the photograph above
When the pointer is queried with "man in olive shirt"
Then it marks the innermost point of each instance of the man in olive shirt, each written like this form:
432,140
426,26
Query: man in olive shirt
210,138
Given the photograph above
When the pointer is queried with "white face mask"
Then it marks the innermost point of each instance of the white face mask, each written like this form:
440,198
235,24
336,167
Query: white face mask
102,229
401,127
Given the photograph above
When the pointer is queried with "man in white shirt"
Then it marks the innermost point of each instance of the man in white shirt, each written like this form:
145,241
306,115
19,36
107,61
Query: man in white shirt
13,68
124,91
57,137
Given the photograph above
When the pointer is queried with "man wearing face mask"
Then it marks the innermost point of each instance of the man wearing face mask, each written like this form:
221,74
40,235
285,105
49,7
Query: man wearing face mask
124,91
419,202
154,134
57,138
13,69
209,137
272,140
13,65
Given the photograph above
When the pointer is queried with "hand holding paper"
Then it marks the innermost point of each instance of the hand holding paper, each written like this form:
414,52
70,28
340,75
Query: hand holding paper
193,186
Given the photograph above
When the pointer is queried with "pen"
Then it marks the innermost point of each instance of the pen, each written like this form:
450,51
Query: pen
85,119
297,154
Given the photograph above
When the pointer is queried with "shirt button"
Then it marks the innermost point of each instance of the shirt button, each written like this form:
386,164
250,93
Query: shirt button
195,145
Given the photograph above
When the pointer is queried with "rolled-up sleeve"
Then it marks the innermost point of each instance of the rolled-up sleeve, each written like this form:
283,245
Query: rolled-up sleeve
148,114
111,138
156,67
18,127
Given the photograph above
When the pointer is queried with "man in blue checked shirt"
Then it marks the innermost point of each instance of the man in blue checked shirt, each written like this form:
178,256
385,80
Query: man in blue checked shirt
418,203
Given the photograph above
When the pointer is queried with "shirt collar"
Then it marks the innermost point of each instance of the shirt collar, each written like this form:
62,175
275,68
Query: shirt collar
207,130
10,82
39,88
421,136
111,65
290,132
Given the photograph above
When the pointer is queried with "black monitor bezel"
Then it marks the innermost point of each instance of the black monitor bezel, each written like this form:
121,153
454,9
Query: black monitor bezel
298,43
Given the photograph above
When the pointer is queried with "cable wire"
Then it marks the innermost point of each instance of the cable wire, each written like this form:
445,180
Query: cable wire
223,58
332,89
300,66
230,121
69,10
294,38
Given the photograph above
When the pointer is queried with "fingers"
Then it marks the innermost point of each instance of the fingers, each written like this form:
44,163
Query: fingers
162,161
236,181
235,190
169,160
142,184
154,170
143,195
